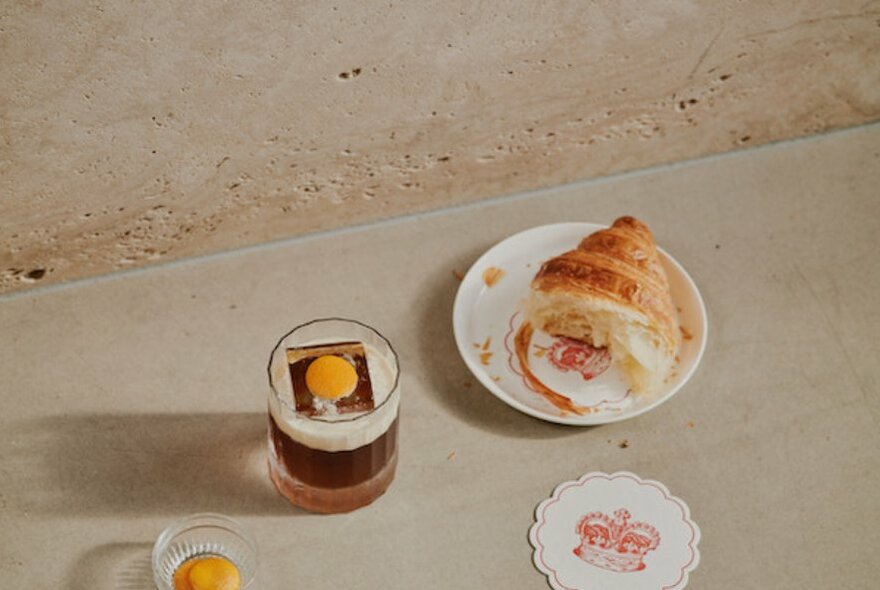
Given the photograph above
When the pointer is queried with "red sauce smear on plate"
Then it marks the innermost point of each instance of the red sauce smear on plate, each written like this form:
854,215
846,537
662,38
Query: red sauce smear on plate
521,344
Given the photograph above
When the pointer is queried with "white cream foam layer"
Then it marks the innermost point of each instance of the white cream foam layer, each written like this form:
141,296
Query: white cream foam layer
339,433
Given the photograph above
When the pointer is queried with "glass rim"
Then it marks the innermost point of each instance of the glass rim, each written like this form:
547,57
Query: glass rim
337,420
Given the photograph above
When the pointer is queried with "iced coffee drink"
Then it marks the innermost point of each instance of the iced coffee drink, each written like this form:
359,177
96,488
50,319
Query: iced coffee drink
333,414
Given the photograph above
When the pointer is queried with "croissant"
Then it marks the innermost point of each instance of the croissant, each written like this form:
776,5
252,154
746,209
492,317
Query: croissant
612,292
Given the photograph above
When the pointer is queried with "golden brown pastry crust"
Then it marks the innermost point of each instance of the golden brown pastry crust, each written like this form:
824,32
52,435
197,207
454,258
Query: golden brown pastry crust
619,264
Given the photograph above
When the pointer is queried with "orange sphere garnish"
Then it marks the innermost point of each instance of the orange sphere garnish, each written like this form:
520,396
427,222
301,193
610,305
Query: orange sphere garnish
207,573
331,377
181,575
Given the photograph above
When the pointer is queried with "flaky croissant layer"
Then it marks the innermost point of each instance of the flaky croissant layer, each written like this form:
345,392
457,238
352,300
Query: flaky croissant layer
612,291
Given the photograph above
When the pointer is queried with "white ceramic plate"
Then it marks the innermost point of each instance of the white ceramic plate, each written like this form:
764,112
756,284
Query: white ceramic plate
485,320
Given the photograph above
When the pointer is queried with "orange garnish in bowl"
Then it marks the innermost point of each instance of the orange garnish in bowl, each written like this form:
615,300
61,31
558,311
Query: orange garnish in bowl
181,575
207,573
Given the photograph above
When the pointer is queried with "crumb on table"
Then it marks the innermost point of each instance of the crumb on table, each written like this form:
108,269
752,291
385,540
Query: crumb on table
458,275
624,444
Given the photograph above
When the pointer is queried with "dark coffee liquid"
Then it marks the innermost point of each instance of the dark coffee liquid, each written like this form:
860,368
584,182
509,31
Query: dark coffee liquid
332,469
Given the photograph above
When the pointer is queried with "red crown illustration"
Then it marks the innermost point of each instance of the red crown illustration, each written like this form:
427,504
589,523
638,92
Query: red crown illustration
567,354
616,545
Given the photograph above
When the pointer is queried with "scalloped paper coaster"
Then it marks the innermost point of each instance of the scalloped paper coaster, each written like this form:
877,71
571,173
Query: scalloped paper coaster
614,532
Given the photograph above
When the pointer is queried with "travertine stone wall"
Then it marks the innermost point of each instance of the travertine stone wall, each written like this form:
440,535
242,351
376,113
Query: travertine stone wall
141,132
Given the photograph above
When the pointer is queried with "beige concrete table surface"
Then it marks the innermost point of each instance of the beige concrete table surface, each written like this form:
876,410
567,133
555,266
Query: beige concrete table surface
130,401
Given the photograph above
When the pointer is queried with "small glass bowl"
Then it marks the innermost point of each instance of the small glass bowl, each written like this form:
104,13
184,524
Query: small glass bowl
203,535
